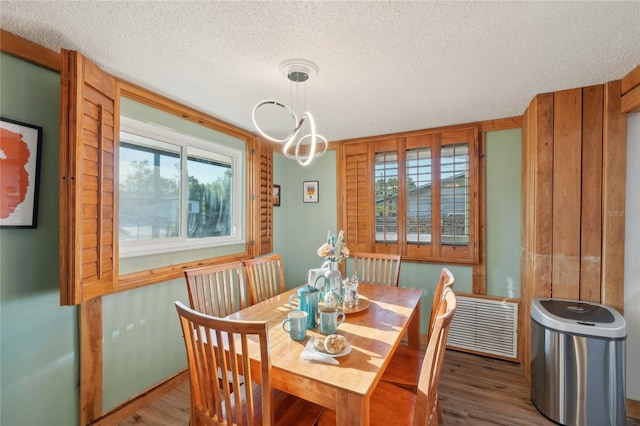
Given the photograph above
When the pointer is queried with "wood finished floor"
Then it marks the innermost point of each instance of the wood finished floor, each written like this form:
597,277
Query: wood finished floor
473,391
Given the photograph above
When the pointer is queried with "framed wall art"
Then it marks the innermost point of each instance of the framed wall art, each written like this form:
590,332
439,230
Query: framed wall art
276,195
20,146
310,189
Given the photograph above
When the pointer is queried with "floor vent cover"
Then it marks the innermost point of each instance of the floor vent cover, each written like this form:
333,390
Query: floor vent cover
485,326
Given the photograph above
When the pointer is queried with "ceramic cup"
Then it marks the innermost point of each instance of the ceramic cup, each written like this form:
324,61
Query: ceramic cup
296,324
328,319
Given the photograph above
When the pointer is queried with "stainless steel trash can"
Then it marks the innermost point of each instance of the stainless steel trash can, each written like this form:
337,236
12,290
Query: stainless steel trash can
578,362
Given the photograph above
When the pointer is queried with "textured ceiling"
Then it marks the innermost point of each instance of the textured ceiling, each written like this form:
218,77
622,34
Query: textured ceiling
384,66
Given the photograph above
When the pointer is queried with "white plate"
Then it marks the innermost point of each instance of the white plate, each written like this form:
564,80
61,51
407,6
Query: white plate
343,352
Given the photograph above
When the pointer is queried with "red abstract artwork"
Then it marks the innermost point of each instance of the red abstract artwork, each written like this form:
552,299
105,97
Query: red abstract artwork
14,179
19,167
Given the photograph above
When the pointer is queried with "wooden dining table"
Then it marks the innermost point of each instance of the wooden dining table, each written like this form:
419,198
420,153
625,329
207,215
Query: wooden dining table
373,333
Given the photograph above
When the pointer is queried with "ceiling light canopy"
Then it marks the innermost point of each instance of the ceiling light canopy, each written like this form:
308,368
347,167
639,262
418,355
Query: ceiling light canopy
301,143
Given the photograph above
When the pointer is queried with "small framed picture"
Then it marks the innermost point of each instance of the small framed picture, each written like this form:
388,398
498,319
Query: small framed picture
20,145
310,189
276,195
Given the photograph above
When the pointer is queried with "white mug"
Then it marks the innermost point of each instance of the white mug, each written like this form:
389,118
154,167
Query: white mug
316,278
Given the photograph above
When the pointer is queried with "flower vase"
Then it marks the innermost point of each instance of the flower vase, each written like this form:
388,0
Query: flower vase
333,287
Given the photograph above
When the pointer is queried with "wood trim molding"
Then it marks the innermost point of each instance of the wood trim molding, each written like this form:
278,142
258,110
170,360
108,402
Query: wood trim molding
482,126
162,103
614,160
630,80
90,330
630,89
479,273
633,408
29,51
631,101
158,275
125,410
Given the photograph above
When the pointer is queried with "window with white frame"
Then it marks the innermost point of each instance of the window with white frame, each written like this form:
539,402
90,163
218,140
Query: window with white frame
176,192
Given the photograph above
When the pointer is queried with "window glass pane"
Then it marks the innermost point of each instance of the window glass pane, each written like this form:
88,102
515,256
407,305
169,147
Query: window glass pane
454,203
149,200
177,192
419,183
386,175
208,194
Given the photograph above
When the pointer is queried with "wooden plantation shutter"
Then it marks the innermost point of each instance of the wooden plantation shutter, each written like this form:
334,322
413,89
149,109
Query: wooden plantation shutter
87,167
388,222
358,209
416,196
261,198
459,154
422,218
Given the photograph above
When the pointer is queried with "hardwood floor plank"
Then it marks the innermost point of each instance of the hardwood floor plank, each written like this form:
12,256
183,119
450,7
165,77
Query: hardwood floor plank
172,408
474,391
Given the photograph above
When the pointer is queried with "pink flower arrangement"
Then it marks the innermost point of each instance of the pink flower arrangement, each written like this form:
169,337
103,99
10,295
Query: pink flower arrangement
334,250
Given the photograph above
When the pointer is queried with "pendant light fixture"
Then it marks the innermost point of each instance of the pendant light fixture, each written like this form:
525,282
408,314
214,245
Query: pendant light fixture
302,142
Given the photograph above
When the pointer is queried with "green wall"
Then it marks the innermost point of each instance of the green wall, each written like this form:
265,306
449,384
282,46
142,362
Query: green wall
300,228
142,341
38,337
503,184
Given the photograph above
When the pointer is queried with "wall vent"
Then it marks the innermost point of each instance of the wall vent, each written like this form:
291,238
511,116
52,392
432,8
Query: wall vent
485,326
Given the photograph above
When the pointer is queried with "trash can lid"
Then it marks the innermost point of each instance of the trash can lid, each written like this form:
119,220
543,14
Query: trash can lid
579,317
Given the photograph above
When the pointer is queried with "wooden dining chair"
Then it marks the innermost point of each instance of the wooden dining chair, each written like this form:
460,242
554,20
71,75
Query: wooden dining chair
405,364
265,277
377,268
232,346
394,405
217,290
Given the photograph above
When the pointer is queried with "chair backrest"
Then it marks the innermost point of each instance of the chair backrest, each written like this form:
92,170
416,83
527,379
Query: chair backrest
377,268
265,277
217,290
446,281
426,412
219,344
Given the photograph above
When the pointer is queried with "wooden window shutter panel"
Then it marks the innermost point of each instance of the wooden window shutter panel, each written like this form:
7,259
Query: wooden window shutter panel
87,167
262,197
357,193
470,252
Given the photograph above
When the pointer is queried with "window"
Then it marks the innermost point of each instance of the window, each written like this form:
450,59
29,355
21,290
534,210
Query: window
176,192
92,115
455,209
419,195
424,196
387,196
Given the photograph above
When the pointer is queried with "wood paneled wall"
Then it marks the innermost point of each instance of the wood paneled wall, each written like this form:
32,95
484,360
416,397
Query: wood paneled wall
630,87
573,190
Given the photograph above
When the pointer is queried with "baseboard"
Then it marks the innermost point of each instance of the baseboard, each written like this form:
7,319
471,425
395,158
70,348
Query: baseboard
123,411
633,408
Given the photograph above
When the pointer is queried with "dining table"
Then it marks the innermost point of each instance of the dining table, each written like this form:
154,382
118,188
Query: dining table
373,333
